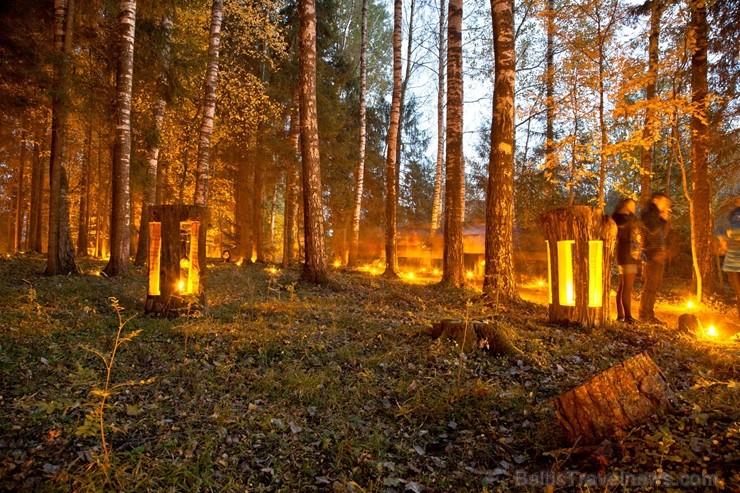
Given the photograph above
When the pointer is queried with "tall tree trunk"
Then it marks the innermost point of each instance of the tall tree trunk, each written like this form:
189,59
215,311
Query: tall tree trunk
120,241
551,164
18,237
258,202
453,273
649,130
242,218
499,271
314,269
60,257
391,190
291,187
404,86
439,164
37,194
203,173
83,220
152,162
602,126
699,145
354,244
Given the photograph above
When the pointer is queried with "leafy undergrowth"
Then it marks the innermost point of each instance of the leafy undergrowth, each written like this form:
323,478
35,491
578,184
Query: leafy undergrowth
283,386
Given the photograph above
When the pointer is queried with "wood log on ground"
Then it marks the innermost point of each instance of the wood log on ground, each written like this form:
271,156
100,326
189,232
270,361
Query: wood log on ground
490,336
614,401
584,298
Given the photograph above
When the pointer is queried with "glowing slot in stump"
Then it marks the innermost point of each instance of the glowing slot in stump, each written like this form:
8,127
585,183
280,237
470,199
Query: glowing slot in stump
566,290
549,274
155,251
595,273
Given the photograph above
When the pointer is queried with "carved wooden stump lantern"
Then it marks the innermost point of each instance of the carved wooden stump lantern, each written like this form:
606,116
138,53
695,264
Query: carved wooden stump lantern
177,259
580,246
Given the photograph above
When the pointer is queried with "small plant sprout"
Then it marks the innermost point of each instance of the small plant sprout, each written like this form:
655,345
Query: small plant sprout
95,419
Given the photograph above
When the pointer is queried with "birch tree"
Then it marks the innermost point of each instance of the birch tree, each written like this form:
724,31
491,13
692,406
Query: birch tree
209,106
391,188
499,253
120,245
453,267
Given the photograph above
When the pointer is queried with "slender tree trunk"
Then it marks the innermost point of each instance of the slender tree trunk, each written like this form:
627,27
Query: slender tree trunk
551,164
354,244
699,145
258,203
291,187
242,217
391,190
37,193
18,237
439,164
120,241
404,86
84,212
152,163
602,128
60,257
209,106
649,130
499,271
453,273
314,269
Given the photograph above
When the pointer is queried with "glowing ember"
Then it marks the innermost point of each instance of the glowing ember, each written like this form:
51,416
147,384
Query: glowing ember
374,271
240,262
411,275
712,331
272,270
337,263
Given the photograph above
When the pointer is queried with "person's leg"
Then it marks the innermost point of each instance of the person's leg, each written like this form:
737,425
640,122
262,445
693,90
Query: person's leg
735,281
620,294
627,283
652,273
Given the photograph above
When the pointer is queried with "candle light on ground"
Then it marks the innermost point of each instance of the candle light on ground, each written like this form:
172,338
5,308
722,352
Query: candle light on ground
712,331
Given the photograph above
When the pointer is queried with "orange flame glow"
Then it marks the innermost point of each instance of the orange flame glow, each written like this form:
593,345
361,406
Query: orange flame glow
712,331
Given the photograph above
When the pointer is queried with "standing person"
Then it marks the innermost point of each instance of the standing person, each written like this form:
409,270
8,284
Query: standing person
655,223
731,264
629,242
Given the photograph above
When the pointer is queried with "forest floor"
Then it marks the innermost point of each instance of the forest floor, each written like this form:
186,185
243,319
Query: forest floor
283,386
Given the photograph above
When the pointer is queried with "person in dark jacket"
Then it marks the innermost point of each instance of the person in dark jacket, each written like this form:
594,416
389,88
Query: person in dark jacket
628,255
731,263
655,224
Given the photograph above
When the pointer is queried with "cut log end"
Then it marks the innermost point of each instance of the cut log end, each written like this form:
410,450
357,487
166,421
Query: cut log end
614,401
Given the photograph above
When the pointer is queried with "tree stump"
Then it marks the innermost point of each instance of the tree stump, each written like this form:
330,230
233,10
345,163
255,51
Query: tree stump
581,242
688,323
489,336
176,260
615,400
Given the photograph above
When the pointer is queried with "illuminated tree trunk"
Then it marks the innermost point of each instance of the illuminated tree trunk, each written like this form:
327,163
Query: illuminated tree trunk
649,130
84,211
699,146
37,196
579,267
152,161
291,187
18,236
257,204
314,269
354,244
120,244
203,173
391,190
60,256
439,165
404,85
243,218
550,157
453,273
499,269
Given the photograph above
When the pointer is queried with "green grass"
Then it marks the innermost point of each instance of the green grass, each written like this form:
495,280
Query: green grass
283,386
